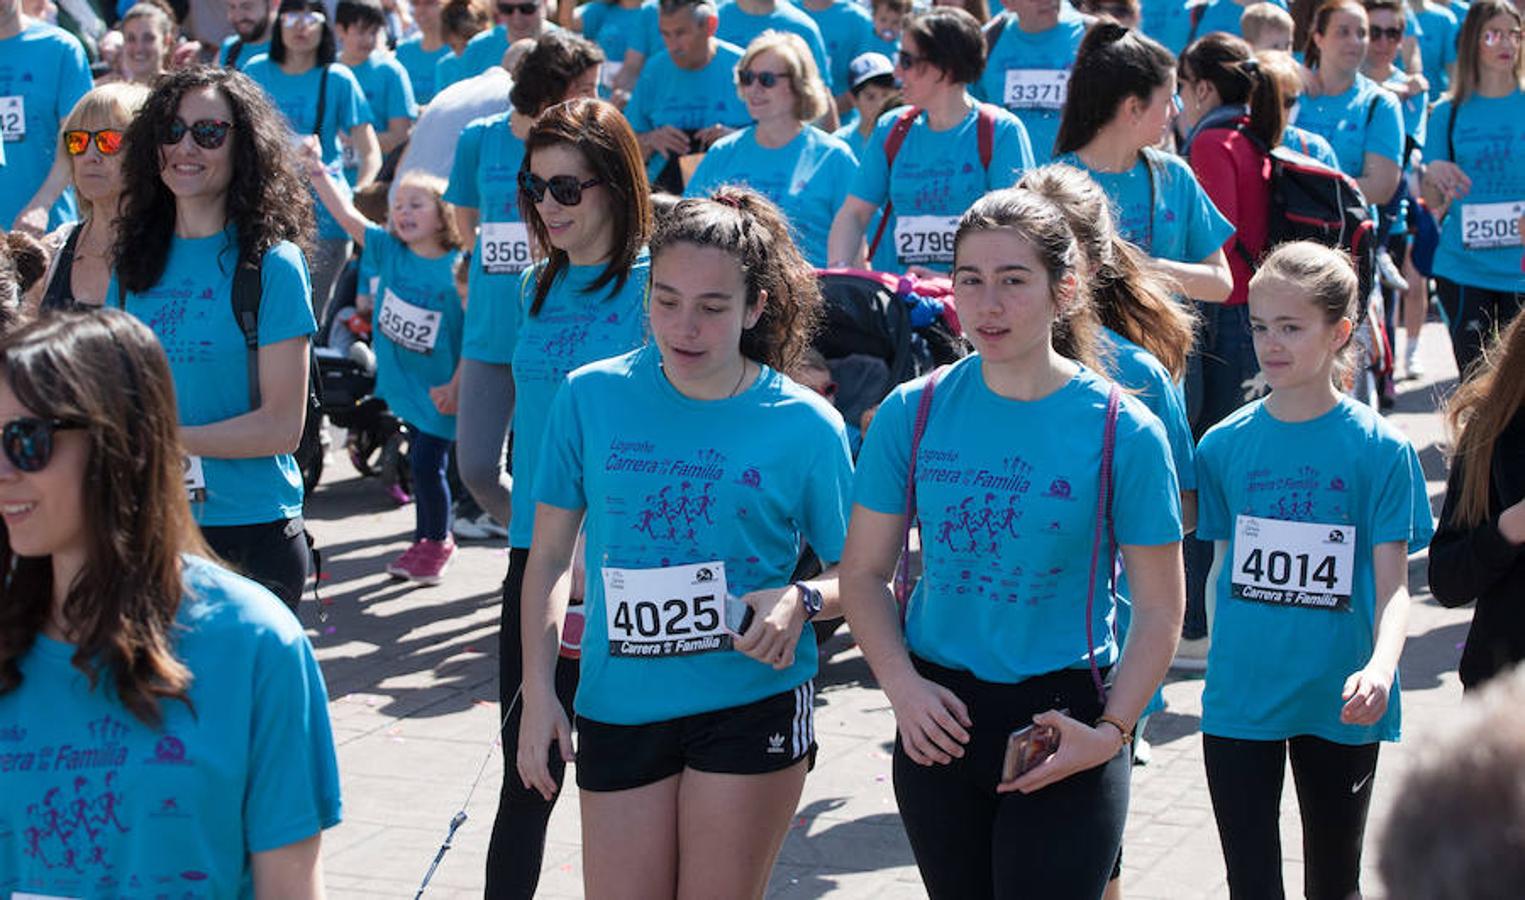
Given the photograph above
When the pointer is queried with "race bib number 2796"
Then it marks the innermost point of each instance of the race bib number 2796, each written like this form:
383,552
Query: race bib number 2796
1303,564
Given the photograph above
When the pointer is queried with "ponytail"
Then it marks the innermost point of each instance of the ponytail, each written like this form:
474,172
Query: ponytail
1113,63
1229,65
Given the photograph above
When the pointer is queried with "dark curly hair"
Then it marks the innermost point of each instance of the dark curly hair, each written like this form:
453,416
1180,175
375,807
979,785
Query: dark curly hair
746,225
105,370
268,202
544,73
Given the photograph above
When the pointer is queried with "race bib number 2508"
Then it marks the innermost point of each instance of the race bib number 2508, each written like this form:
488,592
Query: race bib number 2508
1303,564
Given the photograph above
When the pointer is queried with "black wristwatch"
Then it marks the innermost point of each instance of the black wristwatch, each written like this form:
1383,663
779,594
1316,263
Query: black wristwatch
811,598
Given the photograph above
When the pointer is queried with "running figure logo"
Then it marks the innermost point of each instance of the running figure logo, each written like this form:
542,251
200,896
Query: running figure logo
675,516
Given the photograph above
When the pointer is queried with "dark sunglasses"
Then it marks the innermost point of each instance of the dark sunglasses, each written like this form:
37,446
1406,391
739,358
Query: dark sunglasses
28,442
1394,34
209,134
745,77
107,140
523,9
1289,102
566,189
909,60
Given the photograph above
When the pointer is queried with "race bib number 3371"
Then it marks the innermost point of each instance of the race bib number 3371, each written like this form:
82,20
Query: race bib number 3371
666,612
1304,564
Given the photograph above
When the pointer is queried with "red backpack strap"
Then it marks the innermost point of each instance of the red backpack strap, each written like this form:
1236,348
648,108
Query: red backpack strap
902,582
985,130
892,142
1103,529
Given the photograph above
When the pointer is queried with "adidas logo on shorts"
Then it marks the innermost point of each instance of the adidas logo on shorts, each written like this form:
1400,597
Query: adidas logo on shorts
775,743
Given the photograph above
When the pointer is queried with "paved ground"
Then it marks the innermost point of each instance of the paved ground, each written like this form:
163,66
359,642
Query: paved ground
412,677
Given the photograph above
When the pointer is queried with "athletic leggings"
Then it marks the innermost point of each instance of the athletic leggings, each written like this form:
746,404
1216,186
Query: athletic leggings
429,458
971,843
1473,315
325,265
517,850
481,426
273,553
1334,783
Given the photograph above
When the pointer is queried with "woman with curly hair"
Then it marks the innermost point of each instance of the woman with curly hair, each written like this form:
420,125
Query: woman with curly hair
194,694
210,189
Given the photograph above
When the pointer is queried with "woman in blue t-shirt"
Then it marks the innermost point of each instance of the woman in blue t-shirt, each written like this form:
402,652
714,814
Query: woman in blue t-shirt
196,691
1010,624
210,187
698,470
1314,502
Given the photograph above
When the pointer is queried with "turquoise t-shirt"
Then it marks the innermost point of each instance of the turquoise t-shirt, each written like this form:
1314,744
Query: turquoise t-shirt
1364,119
937,176
688,98
485,177
668,480
617,30
245,56
1489,140
875,43
447,70
190,310
296,96
849,134
43,73
1437,45
572,329
1310,145
845,27
1275,671
94,803
739,27
807,178
1006,492
1029,74
1137,370
388,93
420,66
482,52
1217,15
408,367
1415,112
1180,224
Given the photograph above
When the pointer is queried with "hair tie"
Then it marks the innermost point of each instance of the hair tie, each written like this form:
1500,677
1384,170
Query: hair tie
1250,66
728,199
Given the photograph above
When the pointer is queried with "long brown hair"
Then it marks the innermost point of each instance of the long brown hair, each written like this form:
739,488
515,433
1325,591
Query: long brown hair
1229,65
1479,412
1320,24
1468,71
105,369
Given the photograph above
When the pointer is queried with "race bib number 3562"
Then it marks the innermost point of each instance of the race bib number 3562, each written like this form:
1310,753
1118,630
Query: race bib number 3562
1303,564
925,239
407,325
666,612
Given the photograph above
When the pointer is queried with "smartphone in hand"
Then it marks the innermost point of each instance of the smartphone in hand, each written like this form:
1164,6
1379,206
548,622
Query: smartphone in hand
1026,748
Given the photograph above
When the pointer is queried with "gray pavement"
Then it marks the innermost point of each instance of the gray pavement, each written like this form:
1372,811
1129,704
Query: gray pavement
412,677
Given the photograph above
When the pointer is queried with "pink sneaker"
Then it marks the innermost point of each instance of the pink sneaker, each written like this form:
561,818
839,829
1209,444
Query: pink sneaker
398,495
427,561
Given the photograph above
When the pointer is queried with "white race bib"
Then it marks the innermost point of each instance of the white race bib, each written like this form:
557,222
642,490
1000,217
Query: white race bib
195,479
13,118
924,239
1304,564
505,247
608,73
409,327
671,611
347,156
1036,88
1490,226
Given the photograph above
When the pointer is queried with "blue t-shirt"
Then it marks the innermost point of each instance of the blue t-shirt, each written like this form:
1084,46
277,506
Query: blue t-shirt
404,374
1310,145
845,27
483,51
618,29
1217,15
1182,224
936,174
388,93
849,134
245,56
875,43
739,27
296,96
807,178
190,310
689,99
420,65
1364,119
448,70
572,329
485,178
646,39
43,73
668,480
1029,75
1137,370
1006,492
1275,671
1489,140
1437,45
1415,112
95,803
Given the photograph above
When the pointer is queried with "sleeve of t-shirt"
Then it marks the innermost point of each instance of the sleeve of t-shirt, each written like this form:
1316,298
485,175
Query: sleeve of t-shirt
1384,136
1212,504
351,108
1146,496
447,71
463,173
1012,153
1206,227
637,112
593,16
1437,143
646,37
828,492
1423,521
400,101
285,308
872,183
225,49
1167,401
844,167
885,457
1393,504
379,247
559,480
74,79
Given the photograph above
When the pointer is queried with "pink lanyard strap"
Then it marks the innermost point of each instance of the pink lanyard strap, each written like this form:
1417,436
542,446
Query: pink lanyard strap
1103,519
903,568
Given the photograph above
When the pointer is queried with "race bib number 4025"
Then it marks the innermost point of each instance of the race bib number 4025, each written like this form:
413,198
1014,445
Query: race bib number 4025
1293,563
671,611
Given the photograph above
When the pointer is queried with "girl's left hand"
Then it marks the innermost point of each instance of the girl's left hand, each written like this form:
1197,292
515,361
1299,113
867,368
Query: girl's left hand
1081,747
775,629
1365,697
446,397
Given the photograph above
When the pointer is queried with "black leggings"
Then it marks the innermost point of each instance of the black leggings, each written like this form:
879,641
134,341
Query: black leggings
972,843
273,553
517,850
1334,784
1474,315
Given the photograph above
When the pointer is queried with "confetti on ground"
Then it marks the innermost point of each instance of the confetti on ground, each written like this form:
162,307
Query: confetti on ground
331,630
326,576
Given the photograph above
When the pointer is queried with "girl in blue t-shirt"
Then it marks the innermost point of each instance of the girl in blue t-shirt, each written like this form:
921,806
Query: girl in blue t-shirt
698,470
1314,502
418,324
1010,624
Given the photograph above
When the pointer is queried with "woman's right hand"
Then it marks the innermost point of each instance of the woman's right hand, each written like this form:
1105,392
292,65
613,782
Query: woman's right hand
543,722
934,723
1512,523
1448,178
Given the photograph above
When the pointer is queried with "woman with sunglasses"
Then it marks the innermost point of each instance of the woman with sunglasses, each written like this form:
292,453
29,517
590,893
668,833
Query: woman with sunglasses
91,141
319,97
583,193
517,20
940,168
121,637
211,182
1474,179
698,469
803,170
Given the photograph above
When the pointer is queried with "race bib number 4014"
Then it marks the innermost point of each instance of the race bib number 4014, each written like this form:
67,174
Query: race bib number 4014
666,612
1303,564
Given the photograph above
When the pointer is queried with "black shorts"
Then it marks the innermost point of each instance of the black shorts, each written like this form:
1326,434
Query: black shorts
760,737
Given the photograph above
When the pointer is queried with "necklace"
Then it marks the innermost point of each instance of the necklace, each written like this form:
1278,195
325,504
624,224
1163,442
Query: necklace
739,379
